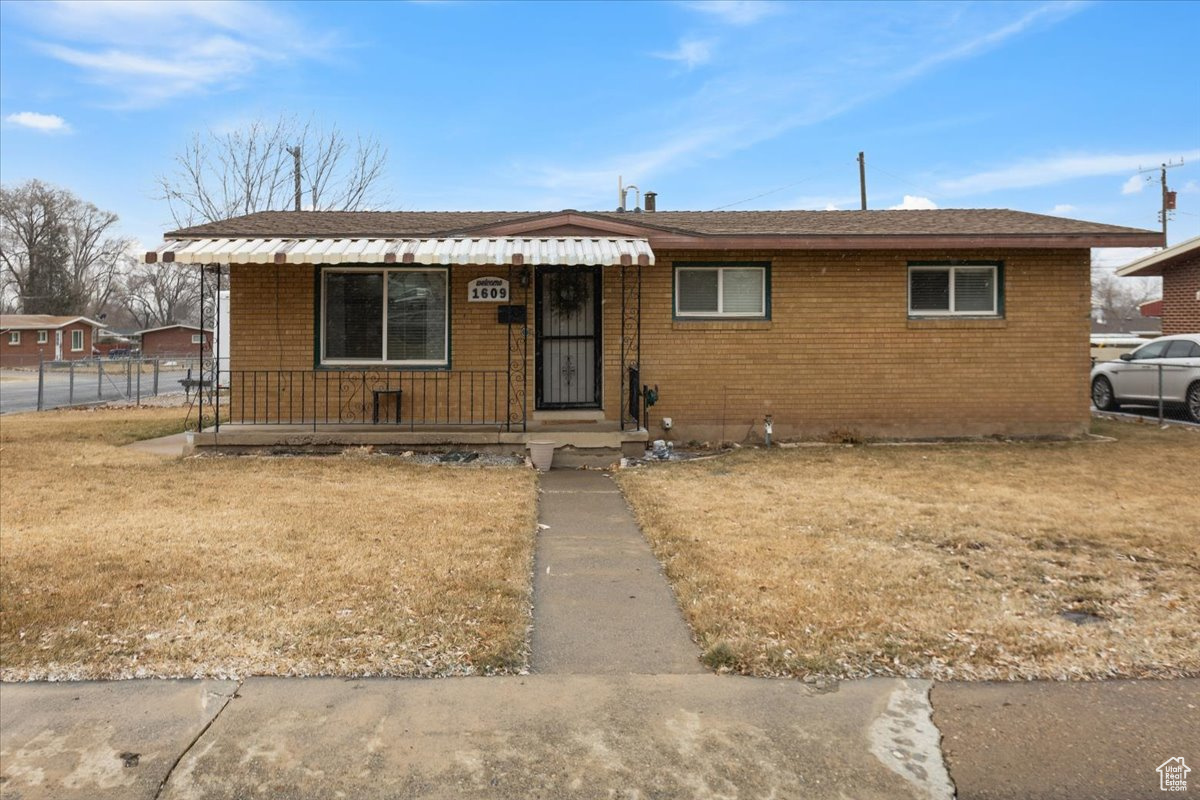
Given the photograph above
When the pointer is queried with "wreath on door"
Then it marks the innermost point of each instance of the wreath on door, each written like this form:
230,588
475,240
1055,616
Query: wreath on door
569,291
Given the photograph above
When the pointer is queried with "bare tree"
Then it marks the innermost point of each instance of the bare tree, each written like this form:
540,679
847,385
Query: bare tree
1115,298
222,175
162,294
58,252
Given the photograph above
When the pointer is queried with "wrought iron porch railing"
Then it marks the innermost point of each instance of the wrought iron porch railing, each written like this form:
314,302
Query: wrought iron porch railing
406,398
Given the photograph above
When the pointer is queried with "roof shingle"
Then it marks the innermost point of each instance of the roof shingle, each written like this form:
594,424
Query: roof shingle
384,224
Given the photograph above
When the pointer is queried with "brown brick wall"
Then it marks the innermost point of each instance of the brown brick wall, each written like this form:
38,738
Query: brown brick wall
1181,298
474,390
173,342
29,352
838,354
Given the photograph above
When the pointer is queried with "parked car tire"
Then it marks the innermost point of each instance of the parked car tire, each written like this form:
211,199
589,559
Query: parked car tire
1102,395
1193,402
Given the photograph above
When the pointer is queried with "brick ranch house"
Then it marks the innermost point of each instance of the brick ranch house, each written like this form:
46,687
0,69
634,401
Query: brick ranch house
175,340
26,339
1179,268
377,326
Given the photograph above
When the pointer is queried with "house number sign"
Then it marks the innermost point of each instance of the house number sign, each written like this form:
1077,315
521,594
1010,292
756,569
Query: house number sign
488,290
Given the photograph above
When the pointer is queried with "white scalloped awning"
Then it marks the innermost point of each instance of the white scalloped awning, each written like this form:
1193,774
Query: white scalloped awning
560,250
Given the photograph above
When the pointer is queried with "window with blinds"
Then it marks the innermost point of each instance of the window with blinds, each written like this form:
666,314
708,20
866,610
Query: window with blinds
954,290
386,316
720,291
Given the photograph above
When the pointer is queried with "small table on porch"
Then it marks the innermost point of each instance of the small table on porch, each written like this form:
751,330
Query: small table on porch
376,394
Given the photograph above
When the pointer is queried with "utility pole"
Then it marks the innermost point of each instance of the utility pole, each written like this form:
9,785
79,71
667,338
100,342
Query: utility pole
1168,196
294,152
862,178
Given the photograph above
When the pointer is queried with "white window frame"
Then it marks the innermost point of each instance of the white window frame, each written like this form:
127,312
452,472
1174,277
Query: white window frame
197,338
720,312
385,271
74,334
14,337
43,337
953,269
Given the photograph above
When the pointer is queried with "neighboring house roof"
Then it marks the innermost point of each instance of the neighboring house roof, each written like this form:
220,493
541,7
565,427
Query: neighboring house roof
1155,263
1151,308
818,228
1136,326
18,322
171,327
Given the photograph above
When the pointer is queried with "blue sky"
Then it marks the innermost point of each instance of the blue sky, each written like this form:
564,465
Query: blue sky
1044,107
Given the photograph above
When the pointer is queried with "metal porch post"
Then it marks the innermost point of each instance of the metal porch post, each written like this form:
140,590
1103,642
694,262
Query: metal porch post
508,406
622,398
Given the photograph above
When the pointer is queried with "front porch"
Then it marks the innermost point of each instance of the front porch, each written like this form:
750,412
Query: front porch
480,343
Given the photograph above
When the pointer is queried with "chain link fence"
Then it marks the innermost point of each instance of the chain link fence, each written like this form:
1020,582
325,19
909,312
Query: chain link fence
43,385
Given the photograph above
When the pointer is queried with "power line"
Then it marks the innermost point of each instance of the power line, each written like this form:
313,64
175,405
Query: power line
774,191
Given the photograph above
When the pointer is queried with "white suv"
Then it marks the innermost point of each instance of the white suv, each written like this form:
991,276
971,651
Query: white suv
1133,379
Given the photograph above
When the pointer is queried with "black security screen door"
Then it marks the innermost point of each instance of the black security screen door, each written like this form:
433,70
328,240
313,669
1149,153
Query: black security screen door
568,337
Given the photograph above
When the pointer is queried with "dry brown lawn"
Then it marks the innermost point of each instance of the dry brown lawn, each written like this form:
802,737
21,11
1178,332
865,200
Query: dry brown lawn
118,564
1070,560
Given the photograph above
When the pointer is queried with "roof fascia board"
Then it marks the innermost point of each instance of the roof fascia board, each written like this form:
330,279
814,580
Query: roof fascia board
1154,263
902,241
31,326
170,327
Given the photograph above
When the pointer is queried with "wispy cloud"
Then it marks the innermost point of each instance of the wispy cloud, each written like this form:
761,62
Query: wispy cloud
735,12
1064,208
148,53
1134,185
42,123
914,203
1047,14
793,78
690,52
1047,171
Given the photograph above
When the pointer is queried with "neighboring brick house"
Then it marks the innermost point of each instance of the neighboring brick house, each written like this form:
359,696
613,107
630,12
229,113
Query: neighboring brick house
26,339
175,340
1179,267
871,323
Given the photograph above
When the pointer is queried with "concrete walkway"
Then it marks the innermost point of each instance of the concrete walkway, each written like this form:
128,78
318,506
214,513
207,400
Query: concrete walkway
165,446
601,605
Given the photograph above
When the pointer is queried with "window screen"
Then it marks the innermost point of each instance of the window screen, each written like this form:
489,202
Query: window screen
970,290
353,309
720,291
76,340
698,291
393,316
930,290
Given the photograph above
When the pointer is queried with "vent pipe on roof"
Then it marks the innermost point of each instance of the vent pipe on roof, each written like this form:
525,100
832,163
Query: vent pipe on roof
623,193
